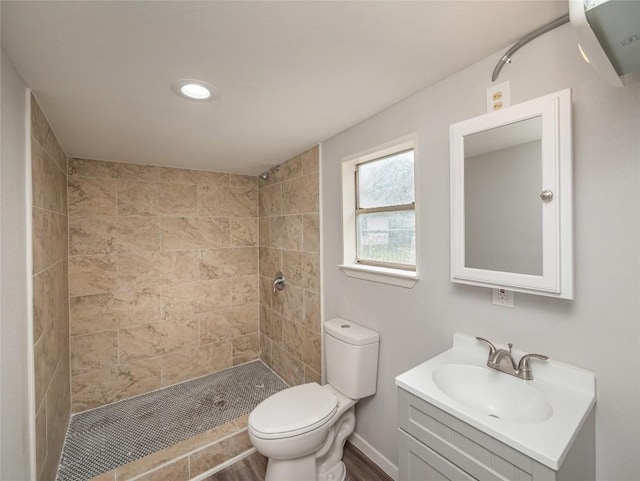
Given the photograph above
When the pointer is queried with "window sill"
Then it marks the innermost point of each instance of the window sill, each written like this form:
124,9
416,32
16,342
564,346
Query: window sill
384,275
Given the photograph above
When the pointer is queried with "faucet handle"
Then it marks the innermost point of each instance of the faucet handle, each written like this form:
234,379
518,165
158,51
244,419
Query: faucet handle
492,348
525,368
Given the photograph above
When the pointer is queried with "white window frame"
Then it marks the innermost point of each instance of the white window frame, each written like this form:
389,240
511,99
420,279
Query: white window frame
388,275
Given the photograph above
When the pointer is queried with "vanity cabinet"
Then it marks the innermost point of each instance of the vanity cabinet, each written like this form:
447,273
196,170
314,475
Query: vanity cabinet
436,446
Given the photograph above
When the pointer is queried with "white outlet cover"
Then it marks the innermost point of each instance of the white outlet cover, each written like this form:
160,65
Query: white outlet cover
505,98
503,298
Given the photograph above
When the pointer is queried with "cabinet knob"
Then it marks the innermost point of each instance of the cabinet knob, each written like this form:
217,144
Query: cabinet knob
546,195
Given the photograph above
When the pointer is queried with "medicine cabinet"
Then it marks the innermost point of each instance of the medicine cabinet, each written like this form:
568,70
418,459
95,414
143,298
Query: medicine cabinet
511,198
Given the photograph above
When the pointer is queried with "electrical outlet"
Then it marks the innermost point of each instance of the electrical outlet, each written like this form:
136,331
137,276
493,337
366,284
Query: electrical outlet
503,298
498,96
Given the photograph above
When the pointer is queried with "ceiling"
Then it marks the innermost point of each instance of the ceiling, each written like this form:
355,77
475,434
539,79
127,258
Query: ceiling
289,74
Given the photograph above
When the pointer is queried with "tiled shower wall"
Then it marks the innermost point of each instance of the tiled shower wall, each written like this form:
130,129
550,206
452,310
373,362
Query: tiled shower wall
163,271
290,242
50,294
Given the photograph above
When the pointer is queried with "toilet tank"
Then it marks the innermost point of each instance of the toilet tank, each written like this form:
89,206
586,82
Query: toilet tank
351,357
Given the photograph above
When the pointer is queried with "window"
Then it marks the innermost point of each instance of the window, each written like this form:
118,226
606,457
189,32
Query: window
379,214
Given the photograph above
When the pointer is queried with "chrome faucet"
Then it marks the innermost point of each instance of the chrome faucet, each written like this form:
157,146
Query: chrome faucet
501,360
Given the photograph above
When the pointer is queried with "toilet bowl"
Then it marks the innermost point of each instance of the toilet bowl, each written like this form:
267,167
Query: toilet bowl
302,429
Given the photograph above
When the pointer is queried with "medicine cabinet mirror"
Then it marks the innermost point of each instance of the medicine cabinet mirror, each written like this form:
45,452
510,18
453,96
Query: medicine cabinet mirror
511,198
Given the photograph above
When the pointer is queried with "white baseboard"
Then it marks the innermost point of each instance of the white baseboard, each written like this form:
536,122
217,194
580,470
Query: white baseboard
374,455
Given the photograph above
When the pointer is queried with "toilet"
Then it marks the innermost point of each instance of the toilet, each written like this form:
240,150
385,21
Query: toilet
302,429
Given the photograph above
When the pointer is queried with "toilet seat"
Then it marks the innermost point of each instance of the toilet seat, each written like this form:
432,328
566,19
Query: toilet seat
294,411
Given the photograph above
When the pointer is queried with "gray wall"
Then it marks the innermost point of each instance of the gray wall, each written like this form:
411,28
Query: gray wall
14,342
598,331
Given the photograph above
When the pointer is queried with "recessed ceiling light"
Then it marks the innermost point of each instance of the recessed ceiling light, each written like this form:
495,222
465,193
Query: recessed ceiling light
195,90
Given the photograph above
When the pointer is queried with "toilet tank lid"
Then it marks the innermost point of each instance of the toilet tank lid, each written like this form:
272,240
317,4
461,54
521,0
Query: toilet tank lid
350,332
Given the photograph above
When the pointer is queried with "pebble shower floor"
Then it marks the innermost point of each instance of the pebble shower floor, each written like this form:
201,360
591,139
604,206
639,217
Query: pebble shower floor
104,438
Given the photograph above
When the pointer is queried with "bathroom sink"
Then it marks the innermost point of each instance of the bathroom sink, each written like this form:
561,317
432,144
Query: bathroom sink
538,417
492,393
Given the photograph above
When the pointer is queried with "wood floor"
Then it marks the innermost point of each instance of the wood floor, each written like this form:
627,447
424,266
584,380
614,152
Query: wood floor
253,468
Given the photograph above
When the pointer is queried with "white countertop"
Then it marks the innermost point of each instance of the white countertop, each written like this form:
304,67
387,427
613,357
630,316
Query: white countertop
570,391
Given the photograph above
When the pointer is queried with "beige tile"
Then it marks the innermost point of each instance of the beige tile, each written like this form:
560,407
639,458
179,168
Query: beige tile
92,275
242,422
137,198
90,168
92,196
243,181
264,228
244,231
229,322
244,290
177,199
193,233
146,463
270,262
291,168
58,411
196,297
287,170
93,313
185,176
271,324
137,234
286,232
311,160
41,437
312,376
246,348
148,173
270,200
301,195
311,319
222,354
176,471
227,201
46,353
311,232
286,366
303,343
185,364
55,151
302,269
45,301
265,350
108,476
103,387
61,274
154,269
218,453
141,270
49,237
64,189
230,262
94,352
103,312
266,291
196,361
159,338
92,235
290,303
136,307
215,231
39,124
47,180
